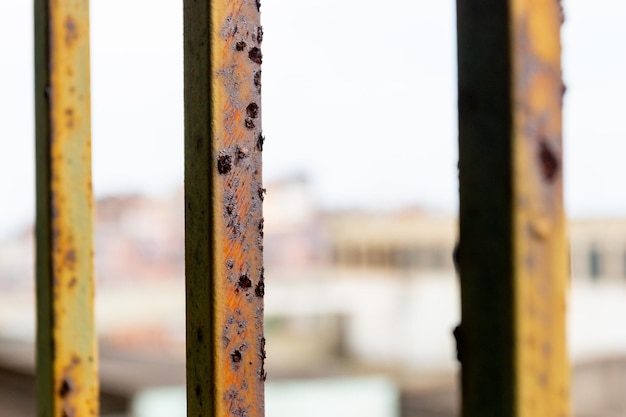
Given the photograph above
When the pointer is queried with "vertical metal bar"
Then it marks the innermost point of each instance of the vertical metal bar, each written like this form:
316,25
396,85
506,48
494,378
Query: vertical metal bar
67,383
223,199
512,252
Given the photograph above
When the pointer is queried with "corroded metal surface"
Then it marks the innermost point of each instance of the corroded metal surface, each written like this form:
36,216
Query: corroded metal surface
512,252
539,220
223,198
67,382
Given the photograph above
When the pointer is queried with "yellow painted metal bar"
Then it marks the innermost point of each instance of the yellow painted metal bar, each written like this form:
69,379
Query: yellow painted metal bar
223,213
67,381
540,245
512,251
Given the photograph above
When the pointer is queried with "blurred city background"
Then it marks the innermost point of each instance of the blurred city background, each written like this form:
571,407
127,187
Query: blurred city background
359,111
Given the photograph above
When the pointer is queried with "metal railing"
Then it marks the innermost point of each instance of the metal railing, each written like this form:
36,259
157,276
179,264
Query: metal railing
512,254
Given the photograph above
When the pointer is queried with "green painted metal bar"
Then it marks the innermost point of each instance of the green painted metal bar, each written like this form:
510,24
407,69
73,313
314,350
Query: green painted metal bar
223,208
512,250
67,382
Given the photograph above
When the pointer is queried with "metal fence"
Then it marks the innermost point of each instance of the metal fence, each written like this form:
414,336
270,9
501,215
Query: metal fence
511,255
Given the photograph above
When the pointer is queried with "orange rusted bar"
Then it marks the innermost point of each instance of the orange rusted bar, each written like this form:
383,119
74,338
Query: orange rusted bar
512,253
67,381
223,203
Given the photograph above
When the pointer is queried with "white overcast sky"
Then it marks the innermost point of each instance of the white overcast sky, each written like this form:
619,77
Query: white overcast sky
358,94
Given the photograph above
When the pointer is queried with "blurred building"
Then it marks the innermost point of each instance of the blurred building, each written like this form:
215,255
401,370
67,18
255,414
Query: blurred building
139,238
17,262
142,238
598,249
295,235
348,292
407,241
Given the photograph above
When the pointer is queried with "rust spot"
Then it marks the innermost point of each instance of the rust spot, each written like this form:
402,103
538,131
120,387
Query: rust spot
230,263
249,123
242,152
71,31
70,257
259,290
224,164
259,34
54,211
241,411
69,113
237,229
561,12
72,282
255,55
231,394
258,5
259,142
549,162
226,329
240,46
261,226
257,80
244,282
230,204
262,356
262,191
241,326
252,110
236,356
66,387
542,379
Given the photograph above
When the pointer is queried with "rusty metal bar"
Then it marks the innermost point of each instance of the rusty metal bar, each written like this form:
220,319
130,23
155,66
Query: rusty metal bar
67,381
223,208
512,251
